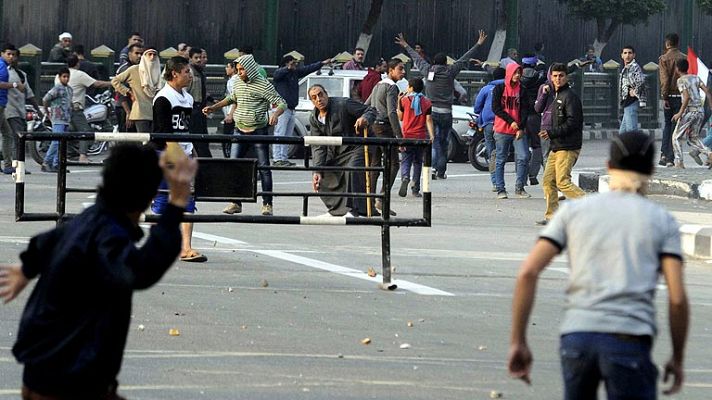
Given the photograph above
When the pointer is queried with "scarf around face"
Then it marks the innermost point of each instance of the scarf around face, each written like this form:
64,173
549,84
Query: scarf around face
150,73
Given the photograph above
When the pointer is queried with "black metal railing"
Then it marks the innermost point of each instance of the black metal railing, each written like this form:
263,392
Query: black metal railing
210,193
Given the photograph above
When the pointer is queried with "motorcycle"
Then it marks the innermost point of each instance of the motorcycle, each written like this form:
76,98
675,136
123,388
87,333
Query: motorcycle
99,112
476,148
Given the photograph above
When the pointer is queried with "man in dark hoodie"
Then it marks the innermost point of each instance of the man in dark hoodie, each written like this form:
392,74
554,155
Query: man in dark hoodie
509,131
73,330
483,108
286,82
439,87
532,78
566,136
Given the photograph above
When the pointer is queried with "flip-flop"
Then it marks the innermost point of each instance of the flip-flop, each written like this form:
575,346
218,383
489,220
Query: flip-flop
194,257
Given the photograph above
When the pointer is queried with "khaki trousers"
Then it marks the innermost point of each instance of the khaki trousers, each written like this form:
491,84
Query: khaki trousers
557,175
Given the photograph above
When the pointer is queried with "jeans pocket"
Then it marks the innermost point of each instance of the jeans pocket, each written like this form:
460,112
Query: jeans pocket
573,363
630,376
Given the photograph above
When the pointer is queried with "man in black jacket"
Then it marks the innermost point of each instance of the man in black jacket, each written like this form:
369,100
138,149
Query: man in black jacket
566,137
73,329
339,116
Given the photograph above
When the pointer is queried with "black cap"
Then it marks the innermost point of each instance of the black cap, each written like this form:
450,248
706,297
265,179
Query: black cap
633,151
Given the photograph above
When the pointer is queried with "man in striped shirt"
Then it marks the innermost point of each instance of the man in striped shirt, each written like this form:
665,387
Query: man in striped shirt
253,95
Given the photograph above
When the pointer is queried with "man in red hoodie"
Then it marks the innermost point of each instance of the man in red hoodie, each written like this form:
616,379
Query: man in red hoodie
507,107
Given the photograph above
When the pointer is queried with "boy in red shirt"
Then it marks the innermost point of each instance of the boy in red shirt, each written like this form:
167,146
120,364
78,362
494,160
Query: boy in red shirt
414,109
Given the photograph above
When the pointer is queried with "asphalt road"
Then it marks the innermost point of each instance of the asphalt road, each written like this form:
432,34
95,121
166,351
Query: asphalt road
301,336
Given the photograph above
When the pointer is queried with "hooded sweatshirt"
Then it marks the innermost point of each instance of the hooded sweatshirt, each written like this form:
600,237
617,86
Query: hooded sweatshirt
506,103
253,97
483,103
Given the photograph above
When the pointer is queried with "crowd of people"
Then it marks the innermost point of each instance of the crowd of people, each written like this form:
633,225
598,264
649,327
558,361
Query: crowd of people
528,107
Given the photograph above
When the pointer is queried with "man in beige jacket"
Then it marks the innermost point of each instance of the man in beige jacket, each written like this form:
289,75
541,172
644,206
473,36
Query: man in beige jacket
141,83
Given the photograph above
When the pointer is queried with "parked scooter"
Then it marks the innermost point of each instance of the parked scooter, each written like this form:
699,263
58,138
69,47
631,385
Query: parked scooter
99,113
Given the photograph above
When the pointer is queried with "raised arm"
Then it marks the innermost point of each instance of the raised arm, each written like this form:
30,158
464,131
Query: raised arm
462,62
418,61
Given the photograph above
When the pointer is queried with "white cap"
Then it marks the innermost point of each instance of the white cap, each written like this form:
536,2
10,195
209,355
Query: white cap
65,35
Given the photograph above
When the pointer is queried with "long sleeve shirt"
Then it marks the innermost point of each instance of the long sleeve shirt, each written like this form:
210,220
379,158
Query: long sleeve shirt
384,98
668,76
341,115
253,97
73,329
130,79
286,82
439,79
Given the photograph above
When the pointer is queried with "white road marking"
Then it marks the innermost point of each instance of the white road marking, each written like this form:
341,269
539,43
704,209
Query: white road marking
215,238
350,272
338,269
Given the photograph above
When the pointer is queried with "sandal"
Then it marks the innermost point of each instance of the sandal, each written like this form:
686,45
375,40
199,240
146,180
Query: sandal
194,256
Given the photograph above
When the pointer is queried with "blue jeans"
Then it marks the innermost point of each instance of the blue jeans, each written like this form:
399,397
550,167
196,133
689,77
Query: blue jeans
284,127
443,125
52,156
622,363
262,150
707,140
630,118
412,156
490,149
503,143
666,145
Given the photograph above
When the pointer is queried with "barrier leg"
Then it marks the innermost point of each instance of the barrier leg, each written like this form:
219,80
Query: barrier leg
19,180
386,228
62,180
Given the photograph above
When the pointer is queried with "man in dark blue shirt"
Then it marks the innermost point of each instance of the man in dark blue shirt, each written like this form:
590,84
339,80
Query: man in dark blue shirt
286,82
73,330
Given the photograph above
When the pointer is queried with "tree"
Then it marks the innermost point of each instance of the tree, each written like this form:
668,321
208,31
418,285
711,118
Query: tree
705,6
364,39
610,14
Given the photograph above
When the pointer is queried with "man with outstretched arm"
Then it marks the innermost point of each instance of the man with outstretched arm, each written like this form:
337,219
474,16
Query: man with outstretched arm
73,330
439,87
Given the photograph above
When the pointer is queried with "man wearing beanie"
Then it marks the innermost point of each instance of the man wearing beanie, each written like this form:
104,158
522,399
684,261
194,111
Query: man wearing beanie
618,243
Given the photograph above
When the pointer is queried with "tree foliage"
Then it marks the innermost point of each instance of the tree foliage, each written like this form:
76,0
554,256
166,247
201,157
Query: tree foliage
705,6
610,14
622,11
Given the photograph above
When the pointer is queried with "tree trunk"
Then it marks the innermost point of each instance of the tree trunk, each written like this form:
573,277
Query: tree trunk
500,36
605,29
364,39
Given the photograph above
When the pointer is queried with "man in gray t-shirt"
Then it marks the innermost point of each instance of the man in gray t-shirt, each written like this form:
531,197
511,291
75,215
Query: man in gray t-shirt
618,244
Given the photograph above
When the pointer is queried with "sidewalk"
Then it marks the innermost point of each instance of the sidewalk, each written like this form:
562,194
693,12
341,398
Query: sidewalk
694,182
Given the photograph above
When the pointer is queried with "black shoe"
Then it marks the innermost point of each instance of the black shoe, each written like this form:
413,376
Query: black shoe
533,181
404,187
543,222
416,193
443,176
434,177
379,207
663,161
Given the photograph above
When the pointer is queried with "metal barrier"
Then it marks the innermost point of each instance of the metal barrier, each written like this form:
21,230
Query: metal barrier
208,186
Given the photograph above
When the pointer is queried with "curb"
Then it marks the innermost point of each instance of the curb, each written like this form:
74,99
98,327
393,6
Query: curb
696,240
604,134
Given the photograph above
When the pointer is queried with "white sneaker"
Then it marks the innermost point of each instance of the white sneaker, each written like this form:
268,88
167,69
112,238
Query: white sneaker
267,209
232,208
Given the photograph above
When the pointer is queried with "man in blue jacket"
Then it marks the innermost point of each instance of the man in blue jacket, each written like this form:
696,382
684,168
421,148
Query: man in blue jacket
483,107
286,82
